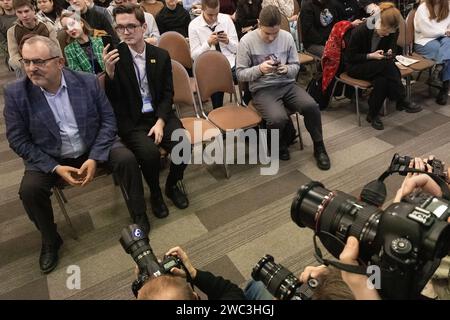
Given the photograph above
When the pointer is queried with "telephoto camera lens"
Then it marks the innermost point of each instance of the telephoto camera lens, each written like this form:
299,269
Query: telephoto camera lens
334,214
135,242
278,280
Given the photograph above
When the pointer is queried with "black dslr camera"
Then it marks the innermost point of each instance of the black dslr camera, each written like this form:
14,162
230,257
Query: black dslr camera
401,164
407,240
280,282
136,243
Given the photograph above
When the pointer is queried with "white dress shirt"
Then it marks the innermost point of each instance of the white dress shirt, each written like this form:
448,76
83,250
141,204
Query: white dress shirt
199,32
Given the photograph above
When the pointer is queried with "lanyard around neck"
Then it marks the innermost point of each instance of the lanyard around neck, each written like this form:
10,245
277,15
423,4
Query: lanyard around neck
140,80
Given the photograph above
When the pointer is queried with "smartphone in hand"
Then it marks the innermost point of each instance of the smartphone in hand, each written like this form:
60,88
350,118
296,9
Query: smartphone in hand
107,39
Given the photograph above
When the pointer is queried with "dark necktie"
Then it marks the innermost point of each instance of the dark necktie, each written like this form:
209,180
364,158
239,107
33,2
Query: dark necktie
217,45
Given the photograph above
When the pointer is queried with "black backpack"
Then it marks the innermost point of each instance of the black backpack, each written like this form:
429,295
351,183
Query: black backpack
314,89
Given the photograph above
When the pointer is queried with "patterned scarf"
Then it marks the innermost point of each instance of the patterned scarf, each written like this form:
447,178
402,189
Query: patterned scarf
332,54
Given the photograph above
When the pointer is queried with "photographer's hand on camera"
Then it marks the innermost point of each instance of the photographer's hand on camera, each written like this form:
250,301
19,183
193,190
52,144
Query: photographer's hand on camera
215,287
414,181
313,272
357,283
178,252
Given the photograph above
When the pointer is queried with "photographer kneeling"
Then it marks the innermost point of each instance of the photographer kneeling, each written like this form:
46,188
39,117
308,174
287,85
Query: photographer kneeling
422,182
174,286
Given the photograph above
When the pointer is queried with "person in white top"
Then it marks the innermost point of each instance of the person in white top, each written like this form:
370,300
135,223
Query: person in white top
214,31
432,39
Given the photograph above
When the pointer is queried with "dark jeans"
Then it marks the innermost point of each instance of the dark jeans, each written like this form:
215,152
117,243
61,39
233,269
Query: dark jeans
272,103
35,188
386,81
148,155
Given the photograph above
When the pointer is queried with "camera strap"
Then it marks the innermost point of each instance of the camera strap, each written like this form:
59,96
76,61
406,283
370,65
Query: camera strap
359,269
375,191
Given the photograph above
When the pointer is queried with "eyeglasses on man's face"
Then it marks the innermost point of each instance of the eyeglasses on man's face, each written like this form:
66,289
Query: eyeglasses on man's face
129,27
36,62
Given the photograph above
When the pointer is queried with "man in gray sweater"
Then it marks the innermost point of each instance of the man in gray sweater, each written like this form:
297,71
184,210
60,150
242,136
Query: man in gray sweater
267,58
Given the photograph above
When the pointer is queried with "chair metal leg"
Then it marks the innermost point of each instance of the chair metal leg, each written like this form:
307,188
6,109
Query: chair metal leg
332,91
357,105
408,89
263,140
61,194
300,140
59,198
225,165
385,108
227,173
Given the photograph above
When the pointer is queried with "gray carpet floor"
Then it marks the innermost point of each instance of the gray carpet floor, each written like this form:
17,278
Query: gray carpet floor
230,223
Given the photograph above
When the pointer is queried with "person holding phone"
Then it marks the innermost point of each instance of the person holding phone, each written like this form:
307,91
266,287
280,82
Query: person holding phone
84,52
267,59
140,87
368,57
213,31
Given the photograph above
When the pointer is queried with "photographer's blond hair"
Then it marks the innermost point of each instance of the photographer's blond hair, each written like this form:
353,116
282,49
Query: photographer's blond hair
166,286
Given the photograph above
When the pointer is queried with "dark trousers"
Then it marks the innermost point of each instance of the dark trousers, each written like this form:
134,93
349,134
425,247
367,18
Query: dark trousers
217,98
148,155
386,81
272,103
35,189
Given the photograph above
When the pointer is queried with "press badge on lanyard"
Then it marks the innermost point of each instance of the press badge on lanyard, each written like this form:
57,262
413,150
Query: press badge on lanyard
147,105
146,100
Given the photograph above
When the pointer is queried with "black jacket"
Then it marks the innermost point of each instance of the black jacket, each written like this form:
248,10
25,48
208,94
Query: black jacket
124,94
217,288
360,44
173,20
313,31
96,20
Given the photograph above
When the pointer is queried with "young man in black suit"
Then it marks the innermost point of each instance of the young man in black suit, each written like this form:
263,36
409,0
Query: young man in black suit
139,86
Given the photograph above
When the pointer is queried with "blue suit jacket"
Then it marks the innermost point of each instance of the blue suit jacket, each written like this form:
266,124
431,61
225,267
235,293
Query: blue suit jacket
31,128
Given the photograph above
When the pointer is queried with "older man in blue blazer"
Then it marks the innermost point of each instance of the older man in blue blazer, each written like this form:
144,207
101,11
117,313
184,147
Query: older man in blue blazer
62,125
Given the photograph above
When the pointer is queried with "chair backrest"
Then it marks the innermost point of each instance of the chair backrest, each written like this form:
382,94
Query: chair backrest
402,40
177,46
410,28
212,72
181,86
101,79
285,23
296,7
299,32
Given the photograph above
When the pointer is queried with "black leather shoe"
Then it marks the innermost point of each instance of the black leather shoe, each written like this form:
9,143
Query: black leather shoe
177,196
159,207
48,259
376,122
407,106
142,221
284,154
442,97
322,159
